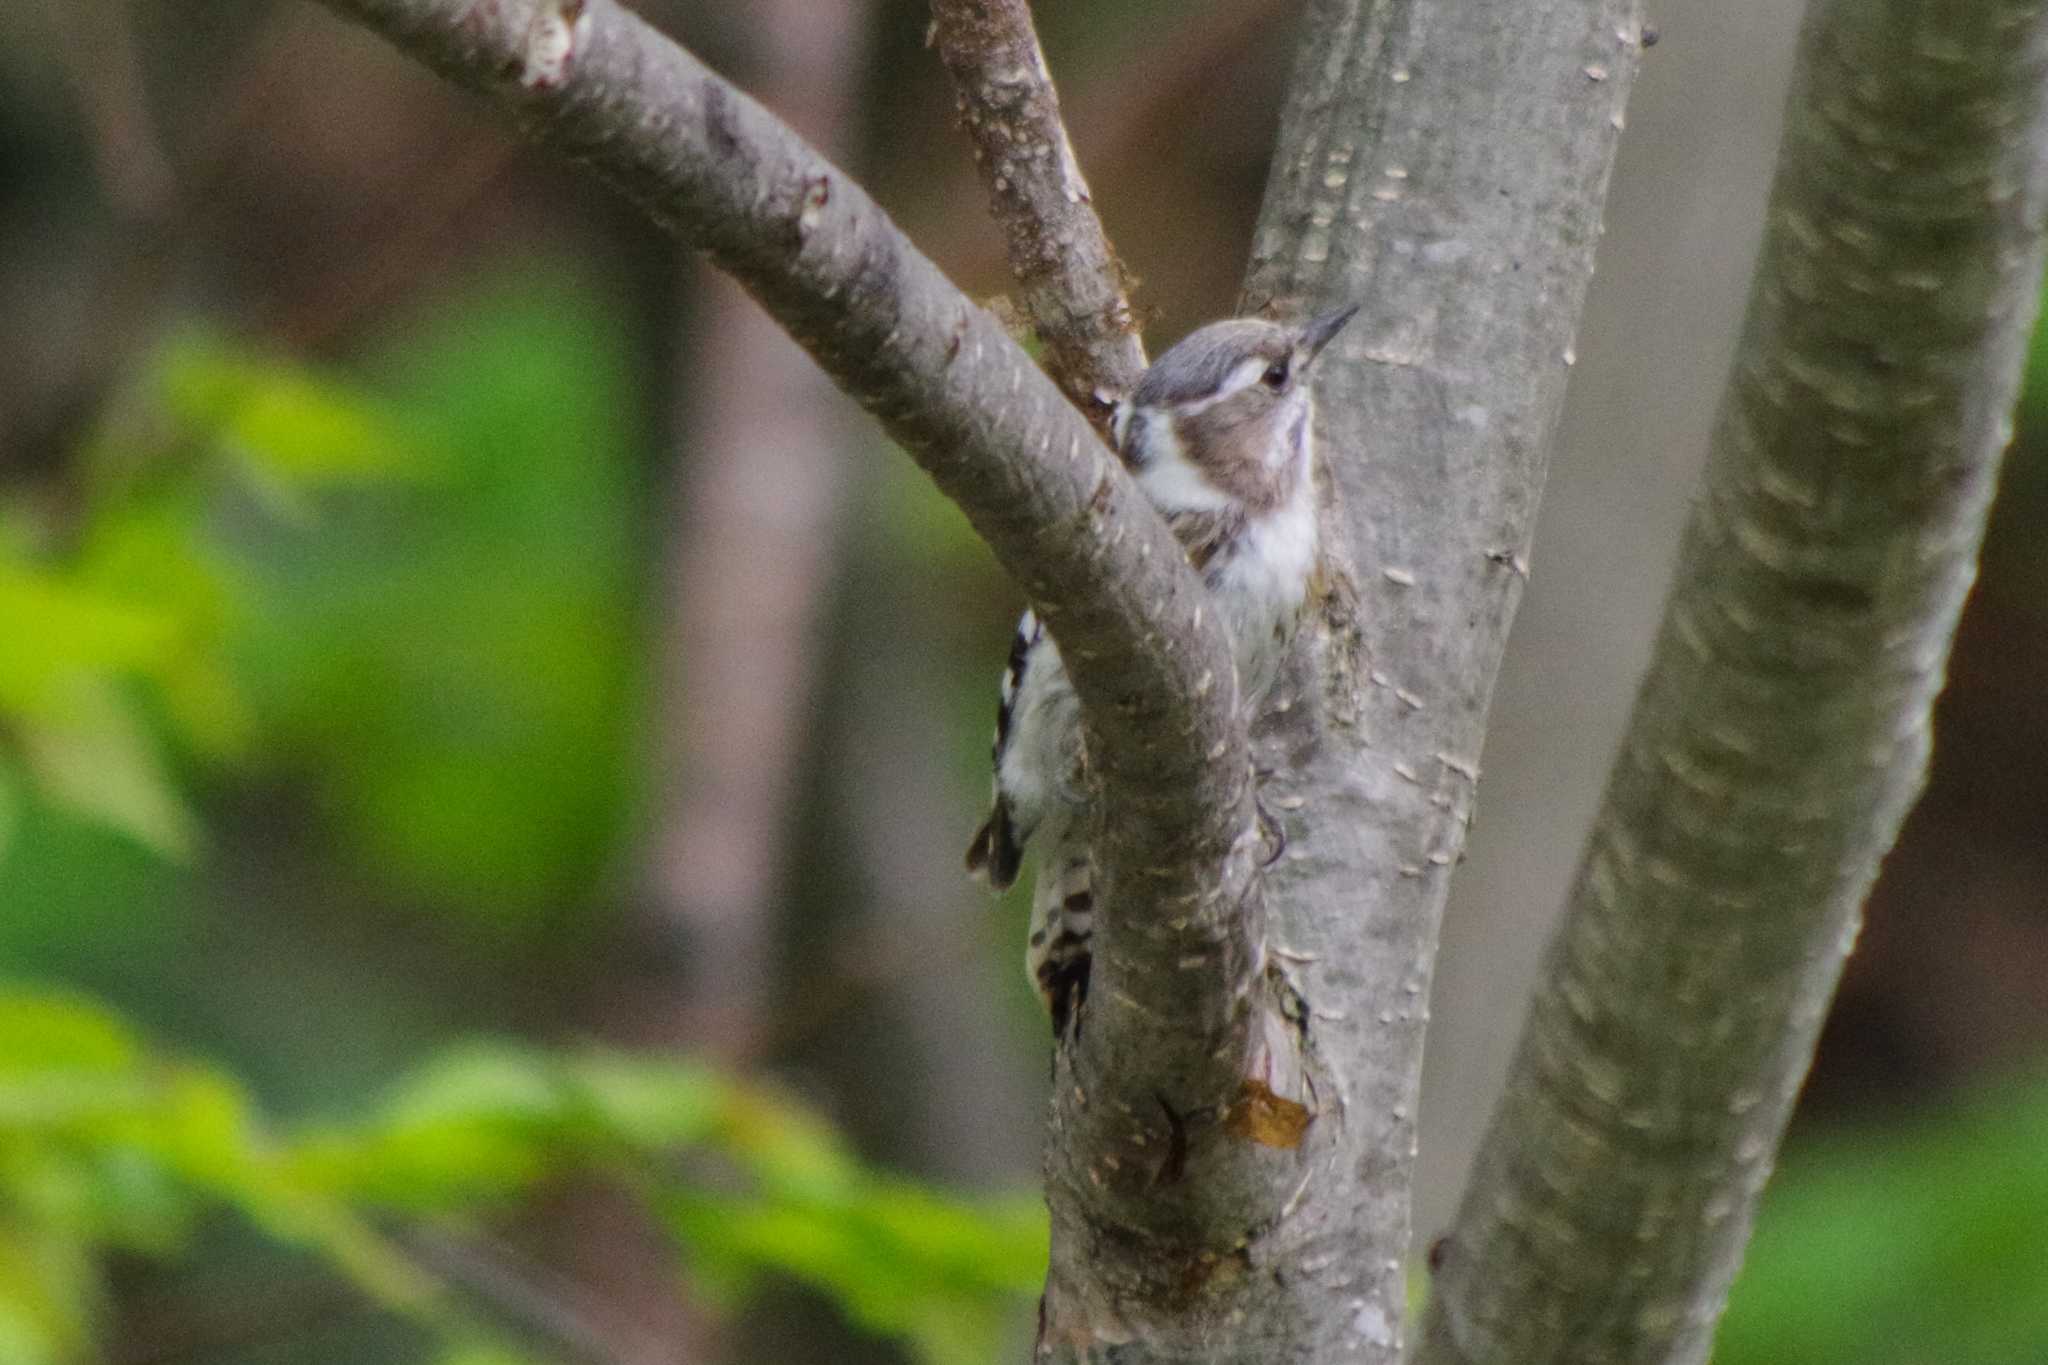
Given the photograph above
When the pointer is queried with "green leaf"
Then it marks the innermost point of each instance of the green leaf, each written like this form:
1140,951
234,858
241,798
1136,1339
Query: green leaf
943,1274
291,424
114,617
47,1289
788,1151
103,1144
651,1103
47,1031
80,635
1904,1247
477,1124
153,555
454,672
24,1338
480,1081
10,811
479,1353
101,763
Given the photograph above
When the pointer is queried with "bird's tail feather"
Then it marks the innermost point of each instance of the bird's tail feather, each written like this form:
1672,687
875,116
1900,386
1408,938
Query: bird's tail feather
1057,953
995,853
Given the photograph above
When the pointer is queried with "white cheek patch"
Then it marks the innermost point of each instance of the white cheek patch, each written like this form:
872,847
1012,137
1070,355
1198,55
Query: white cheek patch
1158,439
1170,481
1120,424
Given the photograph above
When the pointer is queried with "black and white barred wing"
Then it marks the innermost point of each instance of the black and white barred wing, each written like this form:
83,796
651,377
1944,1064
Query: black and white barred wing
997,849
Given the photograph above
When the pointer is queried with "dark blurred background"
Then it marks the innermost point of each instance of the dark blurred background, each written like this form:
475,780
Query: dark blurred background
522,640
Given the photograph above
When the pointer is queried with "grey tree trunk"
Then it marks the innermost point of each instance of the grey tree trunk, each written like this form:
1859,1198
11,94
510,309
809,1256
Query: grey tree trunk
1446,166
1783,731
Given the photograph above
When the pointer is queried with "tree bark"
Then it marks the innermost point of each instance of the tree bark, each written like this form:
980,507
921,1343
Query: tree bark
1783,730
1072,285
1445,164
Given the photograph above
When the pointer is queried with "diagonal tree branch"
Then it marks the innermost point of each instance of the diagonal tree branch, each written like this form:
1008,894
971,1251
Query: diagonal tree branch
1165,743
1072,288
1782,733
590,79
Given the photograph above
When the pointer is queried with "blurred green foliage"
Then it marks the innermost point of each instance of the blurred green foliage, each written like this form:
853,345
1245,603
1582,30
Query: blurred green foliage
123,617
410,591
454,676
1904,1245
418,594
105,1144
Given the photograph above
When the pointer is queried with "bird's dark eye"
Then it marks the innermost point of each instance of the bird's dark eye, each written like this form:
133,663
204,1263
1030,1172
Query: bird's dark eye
1275,376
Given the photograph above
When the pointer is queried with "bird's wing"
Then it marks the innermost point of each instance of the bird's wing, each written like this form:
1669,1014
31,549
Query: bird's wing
996,850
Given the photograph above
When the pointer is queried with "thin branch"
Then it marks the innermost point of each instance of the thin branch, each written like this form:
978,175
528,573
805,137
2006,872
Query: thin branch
1784,728
1072,288
1119,118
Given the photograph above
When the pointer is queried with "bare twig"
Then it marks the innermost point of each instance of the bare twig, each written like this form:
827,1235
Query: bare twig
1072,289
1784,728
1117,118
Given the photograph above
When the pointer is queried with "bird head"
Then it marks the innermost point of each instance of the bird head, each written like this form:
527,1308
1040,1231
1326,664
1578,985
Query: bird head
1223,416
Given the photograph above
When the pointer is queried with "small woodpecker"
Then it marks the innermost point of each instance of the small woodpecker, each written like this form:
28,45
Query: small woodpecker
1220,437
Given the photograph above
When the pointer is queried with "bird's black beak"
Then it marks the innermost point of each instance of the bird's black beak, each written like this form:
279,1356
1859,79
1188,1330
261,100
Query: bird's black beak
1319,330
